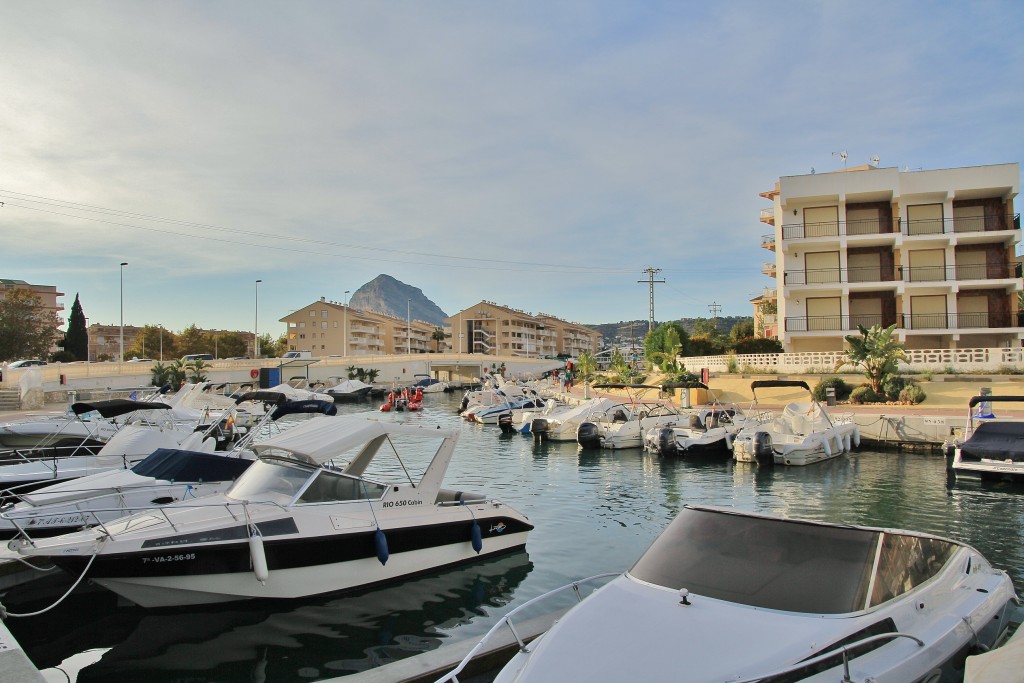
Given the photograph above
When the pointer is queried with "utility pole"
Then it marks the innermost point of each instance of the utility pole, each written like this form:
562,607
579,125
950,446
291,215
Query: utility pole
714,307
651,272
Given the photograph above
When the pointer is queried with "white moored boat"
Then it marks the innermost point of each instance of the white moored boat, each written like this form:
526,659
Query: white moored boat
992,448
804,433
624,424
294,524
723,596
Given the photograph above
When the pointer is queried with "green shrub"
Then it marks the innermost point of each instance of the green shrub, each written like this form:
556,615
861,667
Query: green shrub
912,393
842,388
864,394
894,384
731,365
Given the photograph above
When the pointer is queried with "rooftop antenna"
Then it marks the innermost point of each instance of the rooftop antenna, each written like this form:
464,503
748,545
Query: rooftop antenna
874,160
842,155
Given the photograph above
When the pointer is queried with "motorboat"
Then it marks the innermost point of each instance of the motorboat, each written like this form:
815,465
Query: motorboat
709,431
308,517
148,426
349,391
299,394
802,434
492,415
63,430
521,419
496,390
165,476
723,595
563,426
624,424
430,385
992,448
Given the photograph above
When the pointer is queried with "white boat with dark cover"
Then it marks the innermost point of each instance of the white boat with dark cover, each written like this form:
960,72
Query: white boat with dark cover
709,431
804,433
148,426
993,448
298,522
723,596
349,390
167,475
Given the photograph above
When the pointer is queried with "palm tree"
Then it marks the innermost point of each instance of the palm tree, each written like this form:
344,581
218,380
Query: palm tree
438,337
876,352
586,368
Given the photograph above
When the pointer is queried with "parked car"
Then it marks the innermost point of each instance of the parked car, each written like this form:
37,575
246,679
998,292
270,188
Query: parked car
142,360
197,356
26,363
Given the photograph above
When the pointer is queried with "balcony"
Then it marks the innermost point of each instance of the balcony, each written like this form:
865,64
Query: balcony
768,242
768,216
831,276
917,321
967,224
874,226
768,268
965,272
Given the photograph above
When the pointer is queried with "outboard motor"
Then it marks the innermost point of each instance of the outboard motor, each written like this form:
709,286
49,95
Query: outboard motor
667,441
588,435
763,449
505,423
465,403
539,428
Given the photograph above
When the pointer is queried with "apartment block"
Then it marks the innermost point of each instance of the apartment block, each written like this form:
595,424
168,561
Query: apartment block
492,329
933,252
105,340
328,328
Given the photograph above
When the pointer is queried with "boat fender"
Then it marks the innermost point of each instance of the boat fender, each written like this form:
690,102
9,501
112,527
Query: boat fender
588,435
826,444
258,555
667,441
728,441
381,542
763,451
476,537
856,437
847,443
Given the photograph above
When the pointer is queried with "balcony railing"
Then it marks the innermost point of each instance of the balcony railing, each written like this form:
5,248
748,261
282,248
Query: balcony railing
768,241
906,321
768,268
874,226
824,276
768,216
974,271
963,224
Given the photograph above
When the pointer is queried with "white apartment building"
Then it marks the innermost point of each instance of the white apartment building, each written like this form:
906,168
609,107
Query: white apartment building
933,252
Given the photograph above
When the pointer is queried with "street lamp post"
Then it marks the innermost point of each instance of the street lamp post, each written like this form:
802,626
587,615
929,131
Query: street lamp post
121,343
408,327
344,328
256,325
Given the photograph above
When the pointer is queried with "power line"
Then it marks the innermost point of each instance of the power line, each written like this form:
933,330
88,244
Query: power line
463,261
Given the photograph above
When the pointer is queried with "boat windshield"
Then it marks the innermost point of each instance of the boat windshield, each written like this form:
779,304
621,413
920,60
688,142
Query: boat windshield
271,476
777,564
789,565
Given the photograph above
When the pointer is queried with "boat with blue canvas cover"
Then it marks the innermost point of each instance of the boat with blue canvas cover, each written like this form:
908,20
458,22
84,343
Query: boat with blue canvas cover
992,448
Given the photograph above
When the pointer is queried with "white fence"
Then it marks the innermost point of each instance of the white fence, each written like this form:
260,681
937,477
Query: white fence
920,360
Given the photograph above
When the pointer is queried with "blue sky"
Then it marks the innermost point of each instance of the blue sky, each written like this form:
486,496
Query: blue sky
540,155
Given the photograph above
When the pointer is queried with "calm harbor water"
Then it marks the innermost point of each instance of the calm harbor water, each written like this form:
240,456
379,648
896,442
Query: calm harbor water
594,511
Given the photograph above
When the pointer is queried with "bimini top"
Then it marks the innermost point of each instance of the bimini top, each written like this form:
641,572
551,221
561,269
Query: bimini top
322,438
789,565
686,384
116,406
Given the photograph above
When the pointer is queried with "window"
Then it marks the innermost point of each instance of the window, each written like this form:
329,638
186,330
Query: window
821,221
924,219
821,267
312,314
323,314
302,324
329,487
323,325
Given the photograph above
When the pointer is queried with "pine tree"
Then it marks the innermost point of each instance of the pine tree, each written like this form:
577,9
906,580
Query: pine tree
76,339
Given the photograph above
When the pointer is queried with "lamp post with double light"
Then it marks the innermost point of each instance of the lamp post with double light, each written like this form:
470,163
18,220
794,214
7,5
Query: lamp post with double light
120,356
256,325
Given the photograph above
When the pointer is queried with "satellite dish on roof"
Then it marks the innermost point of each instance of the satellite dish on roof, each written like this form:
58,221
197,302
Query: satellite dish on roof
874,160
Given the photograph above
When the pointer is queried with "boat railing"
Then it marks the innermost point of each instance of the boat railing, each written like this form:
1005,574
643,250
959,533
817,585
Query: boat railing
843,651
20,456
506,621
128,511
